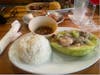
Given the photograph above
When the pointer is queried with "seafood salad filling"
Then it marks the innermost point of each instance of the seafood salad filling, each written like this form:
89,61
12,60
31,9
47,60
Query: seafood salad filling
73,38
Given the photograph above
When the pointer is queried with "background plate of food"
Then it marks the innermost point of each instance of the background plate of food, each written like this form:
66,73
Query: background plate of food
55,5
49,61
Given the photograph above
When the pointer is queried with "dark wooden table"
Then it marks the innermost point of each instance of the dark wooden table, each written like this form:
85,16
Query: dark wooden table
6,67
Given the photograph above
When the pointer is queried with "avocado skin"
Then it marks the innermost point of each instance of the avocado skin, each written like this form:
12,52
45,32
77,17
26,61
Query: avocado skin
76,51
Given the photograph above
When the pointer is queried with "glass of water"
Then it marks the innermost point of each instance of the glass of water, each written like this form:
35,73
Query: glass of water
79,17
80,8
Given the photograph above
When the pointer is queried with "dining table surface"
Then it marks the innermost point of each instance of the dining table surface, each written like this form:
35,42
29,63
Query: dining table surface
6,67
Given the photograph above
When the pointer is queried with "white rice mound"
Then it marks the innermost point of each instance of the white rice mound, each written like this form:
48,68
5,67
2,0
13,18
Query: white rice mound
34,49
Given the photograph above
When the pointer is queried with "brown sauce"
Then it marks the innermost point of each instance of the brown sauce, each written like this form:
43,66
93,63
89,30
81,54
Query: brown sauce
44,30
39,7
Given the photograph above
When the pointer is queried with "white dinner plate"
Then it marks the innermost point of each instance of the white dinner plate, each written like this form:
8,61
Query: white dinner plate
59,64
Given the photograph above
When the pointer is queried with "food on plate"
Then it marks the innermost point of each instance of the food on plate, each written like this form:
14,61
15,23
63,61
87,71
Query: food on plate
54,5
34,49
44,6
74,42
39,6
58,17
54,17
39,13
44,30
67,3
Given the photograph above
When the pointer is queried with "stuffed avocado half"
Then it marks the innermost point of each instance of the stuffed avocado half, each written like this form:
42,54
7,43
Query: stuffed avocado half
73,42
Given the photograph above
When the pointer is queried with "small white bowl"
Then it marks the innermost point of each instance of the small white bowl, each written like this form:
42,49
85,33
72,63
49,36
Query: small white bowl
27,17
42,21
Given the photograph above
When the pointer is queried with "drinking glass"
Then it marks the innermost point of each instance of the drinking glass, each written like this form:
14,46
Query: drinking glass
80,16
90,15
80,8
